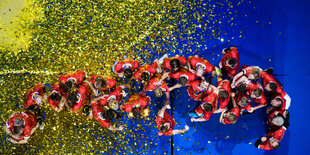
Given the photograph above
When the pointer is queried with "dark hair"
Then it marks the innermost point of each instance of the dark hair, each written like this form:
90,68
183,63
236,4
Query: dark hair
158,92
273,86
145,77
175,63
136,113
244,101
183,81
257,92
208,80
55,97
207,107
224,94
241,88
100,82
69,84
279,100
86,109
255,73
231,117
163,128
232,61
128,73
227,49
45,89
73,97
64,87
16,129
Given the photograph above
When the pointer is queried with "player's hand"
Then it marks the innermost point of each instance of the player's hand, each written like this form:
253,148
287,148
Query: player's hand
186,128
192,71
167,102
193,119
121,127
157,83
251,110
263,139
168,106
233,94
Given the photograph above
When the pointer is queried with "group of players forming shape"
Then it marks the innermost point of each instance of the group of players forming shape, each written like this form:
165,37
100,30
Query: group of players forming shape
238,92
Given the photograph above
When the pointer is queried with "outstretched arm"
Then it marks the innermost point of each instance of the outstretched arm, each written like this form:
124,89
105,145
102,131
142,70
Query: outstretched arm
175,87
222,114
180,131
201,119
113,128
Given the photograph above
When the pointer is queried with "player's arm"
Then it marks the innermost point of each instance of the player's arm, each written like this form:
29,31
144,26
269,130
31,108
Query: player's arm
201,119
180,131
113,128
175,87
188,65
222,114
17,142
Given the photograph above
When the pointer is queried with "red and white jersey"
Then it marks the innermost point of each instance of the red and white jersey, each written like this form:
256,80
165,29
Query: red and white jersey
166,63
31,93
56,89
225,86
235,110
272,114
150,69
248,69
211,98
120,66
183,72
97,115
116,94
166,119
195,92
238,98
30,121
136,100
207,66
278,134
83,95
267,78
232,54
265,145
260,100
283,106
77,76
111,83
151,84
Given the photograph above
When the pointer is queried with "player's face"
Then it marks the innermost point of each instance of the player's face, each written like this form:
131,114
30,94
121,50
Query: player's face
204,85
267,87
275,103
38,99
199,72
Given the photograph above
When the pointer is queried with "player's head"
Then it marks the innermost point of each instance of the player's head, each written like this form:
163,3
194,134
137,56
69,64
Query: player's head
18,130
38,99
254,75
274,143
163,128
271,87
175,64
278,121
257,92
86,109
128,73
69,84
73,97
277,102
100,82
145,76
112,103
244,102
199,70
19,122
232,117
158,92
136,113
241,88
231,62
64,87
207,107
224,94
183,80
55,97
204,84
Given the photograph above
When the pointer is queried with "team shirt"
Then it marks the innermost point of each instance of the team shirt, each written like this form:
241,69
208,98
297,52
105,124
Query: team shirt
151,84
111,83
225,86
83,95
150,69
120,66
78,77
235,110
207,66
165,119
166,63
233,53
31,93
211,98
136,100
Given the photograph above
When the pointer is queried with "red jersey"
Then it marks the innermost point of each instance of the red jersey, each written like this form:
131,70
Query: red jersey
111,83
31,93
207,66
30,122
248,69
282,107
83,95
211,98
278,134
166,63
120,66
136,100
272,115
183,72
77,76
98,116
265,145
151,84
56,89
238,98
260,100
116,94
225,86
267,78
150,69
235,110
232,54
166,119
194,91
